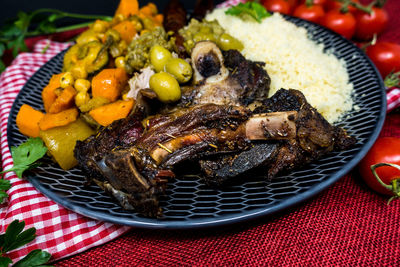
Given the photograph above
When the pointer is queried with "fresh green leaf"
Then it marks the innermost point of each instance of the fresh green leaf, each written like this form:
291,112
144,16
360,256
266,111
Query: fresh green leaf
10,31
2,48
26,154
19,46
15,238
23,20
13,229
46,27
4,186
5,261
2,241
11,234
36,257
54,17
248,10
2,66
24,238
260,11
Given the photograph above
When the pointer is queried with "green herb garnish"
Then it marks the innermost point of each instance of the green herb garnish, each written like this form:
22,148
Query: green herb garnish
40,21
248,10
4,186
14,238
26,155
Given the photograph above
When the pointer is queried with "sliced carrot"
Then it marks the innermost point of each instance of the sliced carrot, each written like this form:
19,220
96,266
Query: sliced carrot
106,114
126,30
64,101
48,94
51,120
127,7
28,120
146,10
159,18
109,83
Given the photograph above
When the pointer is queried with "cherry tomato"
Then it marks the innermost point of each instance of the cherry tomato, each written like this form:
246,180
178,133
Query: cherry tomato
315,2
386,57
385,150
292,4
313,13
281,6
342,23
370,24
334,4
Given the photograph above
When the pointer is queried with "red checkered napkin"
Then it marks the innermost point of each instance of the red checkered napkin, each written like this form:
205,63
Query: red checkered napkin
393,98
59,231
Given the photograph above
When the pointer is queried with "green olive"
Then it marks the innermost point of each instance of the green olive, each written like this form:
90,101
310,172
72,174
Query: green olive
226,42
165,86
159,56
180,69
202,36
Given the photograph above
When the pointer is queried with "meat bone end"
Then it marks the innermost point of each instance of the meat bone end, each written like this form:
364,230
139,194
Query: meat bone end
275,125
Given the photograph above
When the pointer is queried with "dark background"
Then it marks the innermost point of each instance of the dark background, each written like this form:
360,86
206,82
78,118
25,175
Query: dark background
9,8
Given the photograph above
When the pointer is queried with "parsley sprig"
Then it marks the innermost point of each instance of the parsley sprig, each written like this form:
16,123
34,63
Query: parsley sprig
40,21
25,157
15,237
249,10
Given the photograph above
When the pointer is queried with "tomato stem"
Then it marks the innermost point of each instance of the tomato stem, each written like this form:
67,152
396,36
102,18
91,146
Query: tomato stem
309,3
392,79
366,9
394,187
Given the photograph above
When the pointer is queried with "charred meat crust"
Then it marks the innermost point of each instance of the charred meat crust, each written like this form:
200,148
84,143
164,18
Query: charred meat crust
315,137
251,76
174,20
120,134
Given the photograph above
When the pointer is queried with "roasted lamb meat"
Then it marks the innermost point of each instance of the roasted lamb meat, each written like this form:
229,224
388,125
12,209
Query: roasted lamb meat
138,168
314,137
224,78
224,123
227,141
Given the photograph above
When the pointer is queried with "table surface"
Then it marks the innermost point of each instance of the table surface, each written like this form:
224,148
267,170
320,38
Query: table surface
346,224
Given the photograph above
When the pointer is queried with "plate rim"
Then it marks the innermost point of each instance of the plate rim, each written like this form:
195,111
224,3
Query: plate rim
198,223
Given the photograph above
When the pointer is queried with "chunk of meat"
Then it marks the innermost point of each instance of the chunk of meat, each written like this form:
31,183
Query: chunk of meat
314,138
224,78
175,19
137,174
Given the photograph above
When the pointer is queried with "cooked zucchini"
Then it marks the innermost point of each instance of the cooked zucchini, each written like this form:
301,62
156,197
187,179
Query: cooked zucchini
93,56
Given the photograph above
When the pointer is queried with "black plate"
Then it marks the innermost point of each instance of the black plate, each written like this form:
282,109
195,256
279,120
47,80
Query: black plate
191,204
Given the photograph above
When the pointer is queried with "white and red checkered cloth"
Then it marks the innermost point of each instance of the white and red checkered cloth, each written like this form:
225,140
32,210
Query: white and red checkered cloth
393,98
59,231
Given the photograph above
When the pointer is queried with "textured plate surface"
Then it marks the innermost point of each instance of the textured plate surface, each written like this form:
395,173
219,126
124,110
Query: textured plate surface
191,204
